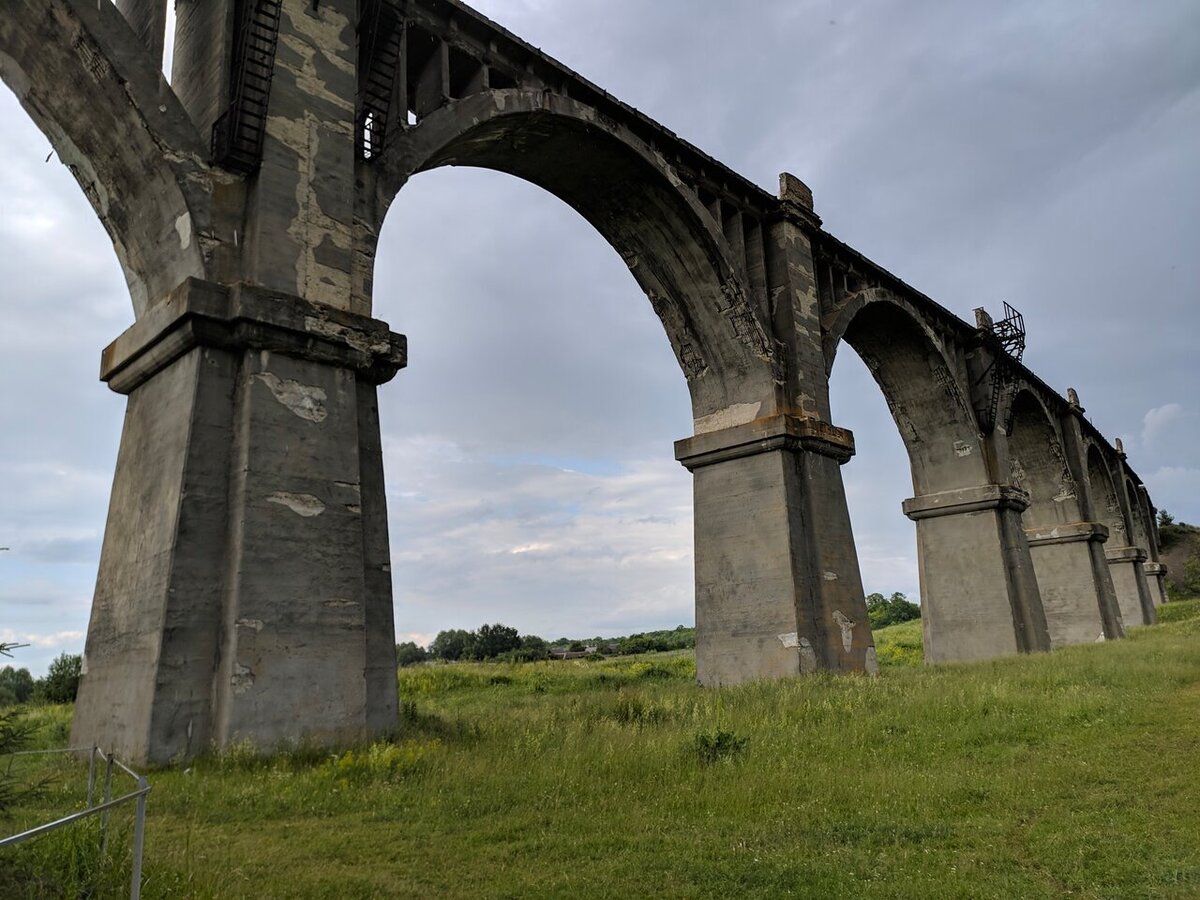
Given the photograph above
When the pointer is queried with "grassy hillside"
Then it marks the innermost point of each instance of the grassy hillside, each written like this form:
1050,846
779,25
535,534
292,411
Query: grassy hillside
1024,777
1179,544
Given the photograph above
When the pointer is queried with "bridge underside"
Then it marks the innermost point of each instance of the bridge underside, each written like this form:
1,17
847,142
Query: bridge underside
244,590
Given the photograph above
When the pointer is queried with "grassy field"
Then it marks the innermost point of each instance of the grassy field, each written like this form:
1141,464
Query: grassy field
1025,777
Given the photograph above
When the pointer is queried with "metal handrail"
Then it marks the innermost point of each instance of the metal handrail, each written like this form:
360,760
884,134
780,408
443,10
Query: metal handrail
101,809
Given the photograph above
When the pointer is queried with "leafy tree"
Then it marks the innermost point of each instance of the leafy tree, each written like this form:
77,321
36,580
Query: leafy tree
883,611
61,683
1165,518
532,648
409,654
454,644
493,640
16,685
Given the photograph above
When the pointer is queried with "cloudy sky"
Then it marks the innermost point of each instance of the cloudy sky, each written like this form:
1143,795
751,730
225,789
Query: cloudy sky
1047,154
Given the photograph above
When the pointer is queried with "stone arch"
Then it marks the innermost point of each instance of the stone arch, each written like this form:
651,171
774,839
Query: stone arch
1124,558
905,358
631,196
1067,551
152,203
1038,465
1137,515
1106,506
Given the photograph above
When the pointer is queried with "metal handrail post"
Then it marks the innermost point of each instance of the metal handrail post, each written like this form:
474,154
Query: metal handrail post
139,837
91,775
107,797
98,809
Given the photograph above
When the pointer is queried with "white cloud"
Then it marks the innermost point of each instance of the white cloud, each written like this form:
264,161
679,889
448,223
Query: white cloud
1156,421
1176,488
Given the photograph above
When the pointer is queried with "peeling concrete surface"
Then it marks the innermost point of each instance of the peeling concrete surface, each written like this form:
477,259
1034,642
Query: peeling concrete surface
305,505
305,401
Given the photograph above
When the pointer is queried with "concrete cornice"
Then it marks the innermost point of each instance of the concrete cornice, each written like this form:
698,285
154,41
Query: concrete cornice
780,432
966,500
202,314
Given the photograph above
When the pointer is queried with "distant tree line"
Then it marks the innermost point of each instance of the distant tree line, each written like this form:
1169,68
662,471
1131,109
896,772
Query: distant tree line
60,685
504,643
884,611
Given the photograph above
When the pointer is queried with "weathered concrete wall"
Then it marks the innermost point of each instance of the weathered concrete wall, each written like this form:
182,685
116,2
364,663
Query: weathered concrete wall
1072,577
148,19
1069,581
978,588
1124,559
155,609
777,591
253,598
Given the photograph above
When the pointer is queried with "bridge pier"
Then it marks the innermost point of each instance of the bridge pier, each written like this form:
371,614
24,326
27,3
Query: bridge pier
1156,575
244,588
1074,582
979,593
1129,580
778,589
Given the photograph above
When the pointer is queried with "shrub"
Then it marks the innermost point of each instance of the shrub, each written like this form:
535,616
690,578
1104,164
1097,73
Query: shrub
15,732
893,610
409,654
712,747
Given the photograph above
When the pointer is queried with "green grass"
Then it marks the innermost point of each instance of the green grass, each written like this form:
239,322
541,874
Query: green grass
1070,772
900,645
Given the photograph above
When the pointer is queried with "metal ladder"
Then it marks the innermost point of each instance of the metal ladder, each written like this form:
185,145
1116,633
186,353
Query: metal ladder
237,139
379,59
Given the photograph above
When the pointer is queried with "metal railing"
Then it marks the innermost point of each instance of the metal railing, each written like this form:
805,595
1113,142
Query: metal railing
100,808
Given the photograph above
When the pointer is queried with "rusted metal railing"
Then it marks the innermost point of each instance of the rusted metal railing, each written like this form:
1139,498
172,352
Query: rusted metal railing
101,808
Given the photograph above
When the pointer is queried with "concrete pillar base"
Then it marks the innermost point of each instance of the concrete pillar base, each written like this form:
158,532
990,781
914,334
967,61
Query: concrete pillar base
1129,580
778,589
979,594
1156,575
244,589
1074,582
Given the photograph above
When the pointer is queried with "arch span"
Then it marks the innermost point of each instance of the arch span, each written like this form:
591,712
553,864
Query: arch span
978,590
630,196
1124,557
1067,550
1038,465
1141,528
154,204
938,426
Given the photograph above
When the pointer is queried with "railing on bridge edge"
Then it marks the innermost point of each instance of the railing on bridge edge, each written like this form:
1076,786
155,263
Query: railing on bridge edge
101,809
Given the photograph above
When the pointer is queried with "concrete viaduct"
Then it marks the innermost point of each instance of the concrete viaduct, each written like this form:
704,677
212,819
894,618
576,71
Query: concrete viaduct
244,589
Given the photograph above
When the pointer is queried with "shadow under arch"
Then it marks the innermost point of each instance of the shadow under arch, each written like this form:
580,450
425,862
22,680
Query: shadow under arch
1038,465
1124,558
629,194
1141,529
1104,498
